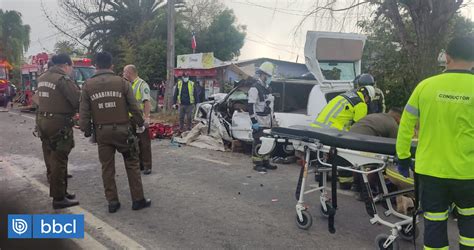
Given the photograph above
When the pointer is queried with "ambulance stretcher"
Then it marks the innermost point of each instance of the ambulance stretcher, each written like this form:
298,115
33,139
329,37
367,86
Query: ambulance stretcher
367,154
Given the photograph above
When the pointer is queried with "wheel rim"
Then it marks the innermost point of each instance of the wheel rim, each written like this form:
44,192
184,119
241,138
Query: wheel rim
305,219
381,242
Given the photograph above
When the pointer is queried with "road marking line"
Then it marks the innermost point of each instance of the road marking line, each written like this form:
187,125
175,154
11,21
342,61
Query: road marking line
15,113
210,160
88,242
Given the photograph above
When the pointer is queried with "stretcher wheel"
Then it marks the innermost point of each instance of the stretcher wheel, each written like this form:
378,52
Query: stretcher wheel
307,220
409,235
326,212
380,240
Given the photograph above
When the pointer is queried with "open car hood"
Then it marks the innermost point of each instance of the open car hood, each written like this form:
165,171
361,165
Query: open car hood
332,46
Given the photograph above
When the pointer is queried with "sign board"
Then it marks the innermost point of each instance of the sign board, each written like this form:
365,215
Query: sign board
195,61
195,72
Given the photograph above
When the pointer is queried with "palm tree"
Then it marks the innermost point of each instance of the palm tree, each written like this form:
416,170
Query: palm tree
106,21
14,36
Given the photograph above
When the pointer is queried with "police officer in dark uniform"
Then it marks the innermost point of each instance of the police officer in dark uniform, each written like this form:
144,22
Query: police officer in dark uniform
58,101
106,101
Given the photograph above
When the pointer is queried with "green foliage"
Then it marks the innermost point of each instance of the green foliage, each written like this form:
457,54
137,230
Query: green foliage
135,32
14,36
151,60
390,63
222,37
68,47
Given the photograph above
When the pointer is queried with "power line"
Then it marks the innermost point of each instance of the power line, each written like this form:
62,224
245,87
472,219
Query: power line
301,13
270,46
274,43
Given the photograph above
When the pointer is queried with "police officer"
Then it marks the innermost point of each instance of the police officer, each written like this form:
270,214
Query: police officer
141,91
185,97
377,104
260,107
340,113
106,101
58,101
443,105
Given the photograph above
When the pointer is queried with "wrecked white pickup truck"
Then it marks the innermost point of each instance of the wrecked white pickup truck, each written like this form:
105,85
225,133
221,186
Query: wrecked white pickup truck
333,60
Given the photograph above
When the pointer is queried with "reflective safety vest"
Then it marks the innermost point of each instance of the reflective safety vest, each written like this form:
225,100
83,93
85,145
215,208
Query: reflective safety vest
444,107
136,86
341,111
190,90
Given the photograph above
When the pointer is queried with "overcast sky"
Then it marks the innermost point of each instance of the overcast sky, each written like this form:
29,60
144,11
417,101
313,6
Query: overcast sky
271,25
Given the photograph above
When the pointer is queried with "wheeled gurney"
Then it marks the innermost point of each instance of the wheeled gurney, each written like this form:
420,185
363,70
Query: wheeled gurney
367,154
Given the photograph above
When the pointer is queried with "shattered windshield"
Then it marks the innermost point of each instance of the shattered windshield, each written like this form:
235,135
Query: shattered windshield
338,70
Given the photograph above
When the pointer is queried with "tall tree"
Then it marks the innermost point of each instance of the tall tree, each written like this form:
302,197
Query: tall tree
106,21
68,47
391,65
135,31
420,28
223,36
14,36
199,14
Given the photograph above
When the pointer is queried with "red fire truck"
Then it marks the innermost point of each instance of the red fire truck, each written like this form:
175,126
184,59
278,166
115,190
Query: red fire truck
83,70
82,67
5,88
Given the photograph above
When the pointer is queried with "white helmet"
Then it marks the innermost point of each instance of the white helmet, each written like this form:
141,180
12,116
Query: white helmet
267,68
368,91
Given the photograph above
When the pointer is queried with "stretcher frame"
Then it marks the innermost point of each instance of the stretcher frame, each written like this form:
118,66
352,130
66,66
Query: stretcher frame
403,228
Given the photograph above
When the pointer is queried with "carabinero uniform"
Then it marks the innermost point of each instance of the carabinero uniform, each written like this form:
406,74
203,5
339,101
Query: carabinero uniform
106,101
260,102
58,101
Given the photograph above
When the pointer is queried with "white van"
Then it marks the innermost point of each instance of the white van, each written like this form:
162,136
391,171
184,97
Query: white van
333,60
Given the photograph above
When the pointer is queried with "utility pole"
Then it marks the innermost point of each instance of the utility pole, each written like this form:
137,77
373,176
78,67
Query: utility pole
170,56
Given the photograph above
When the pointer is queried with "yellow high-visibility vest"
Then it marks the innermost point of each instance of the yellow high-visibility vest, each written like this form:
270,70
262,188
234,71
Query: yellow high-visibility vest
190,90
136,85
339,113
444,107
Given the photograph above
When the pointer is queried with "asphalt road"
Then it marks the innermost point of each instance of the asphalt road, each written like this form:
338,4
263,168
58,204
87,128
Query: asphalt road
201,199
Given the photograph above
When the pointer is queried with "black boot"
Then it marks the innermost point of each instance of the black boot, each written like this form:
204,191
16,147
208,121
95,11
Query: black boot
114,206
59,203
267,165
147,171
70,196
260,168
69,176
137,205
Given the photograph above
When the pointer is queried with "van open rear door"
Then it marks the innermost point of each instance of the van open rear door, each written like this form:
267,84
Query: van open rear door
333,57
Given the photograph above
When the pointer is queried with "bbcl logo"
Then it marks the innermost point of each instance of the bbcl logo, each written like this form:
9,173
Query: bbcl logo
58,228
46,226
19,226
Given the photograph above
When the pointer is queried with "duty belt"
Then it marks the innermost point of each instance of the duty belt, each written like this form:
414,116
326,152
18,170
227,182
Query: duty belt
49,114
112,125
